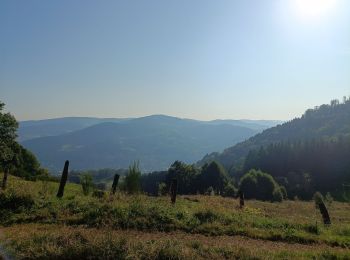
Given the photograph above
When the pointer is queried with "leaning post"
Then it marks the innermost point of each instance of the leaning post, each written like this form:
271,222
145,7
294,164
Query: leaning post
115,183
63,180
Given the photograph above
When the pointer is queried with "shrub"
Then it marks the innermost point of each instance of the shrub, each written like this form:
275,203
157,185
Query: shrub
99,194
162,189
132,179
284,192
230,191
212,175
15,202
86,183
210,191
277,195
206,216
259,185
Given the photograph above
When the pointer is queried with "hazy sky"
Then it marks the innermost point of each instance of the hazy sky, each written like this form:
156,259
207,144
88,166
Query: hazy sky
203,59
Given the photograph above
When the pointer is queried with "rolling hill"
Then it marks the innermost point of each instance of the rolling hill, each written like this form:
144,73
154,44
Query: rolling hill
156,141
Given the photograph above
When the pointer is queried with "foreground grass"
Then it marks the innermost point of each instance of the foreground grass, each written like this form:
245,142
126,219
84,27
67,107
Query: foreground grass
32,241
57,222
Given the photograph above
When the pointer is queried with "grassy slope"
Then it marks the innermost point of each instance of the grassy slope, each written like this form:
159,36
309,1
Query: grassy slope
35,223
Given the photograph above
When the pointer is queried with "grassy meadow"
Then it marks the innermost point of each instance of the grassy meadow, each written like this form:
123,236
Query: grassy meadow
36,224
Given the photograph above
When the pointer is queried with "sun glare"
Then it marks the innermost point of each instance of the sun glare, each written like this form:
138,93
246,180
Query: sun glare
312,9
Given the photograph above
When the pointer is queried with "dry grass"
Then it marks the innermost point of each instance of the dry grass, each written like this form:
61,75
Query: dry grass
51,241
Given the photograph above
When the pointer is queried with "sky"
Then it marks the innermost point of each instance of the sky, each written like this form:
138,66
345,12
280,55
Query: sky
200,59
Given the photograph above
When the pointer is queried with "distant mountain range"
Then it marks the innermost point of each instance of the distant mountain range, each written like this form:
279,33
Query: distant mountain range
323,122
49,127
156,141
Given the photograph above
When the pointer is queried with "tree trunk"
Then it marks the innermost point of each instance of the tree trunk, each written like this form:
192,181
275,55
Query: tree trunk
115,183
63,180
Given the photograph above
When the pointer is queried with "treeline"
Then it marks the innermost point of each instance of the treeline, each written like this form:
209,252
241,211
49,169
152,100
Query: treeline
212,178
304,167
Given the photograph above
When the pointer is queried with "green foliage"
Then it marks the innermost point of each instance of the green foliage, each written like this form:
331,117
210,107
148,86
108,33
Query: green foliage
13,156
191,180
259,185
210,191
186,176
8,128
284,192
162,189
150,182
230,191
132,180
12,202
99,194
328,165
305,166
277,195
86,183
213,175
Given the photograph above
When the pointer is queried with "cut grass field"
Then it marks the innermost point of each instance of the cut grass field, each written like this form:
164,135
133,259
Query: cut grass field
35,224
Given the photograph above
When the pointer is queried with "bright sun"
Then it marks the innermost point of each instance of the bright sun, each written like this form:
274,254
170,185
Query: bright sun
311,9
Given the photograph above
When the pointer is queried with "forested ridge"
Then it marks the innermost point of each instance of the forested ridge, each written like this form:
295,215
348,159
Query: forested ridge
325,122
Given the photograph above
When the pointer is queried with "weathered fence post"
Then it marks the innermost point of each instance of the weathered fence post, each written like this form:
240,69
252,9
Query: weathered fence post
115,183
173,190
241,199
324,213
63,180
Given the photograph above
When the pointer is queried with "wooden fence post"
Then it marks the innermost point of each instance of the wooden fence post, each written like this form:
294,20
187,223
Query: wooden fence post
64,178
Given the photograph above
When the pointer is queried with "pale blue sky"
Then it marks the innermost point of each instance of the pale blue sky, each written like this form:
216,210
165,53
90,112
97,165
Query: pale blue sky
256,59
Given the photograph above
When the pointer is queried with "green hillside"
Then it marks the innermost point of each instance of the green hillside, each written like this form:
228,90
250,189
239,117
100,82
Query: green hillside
325,122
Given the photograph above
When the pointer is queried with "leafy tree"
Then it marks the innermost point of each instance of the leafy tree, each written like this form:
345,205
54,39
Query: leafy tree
186,176
8,128
132,179
259,185
213,175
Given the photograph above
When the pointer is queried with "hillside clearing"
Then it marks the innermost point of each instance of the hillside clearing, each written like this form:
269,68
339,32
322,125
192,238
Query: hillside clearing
37,224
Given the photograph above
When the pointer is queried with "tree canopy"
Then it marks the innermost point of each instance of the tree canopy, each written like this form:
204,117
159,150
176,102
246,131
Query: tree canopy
14,157
259,185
